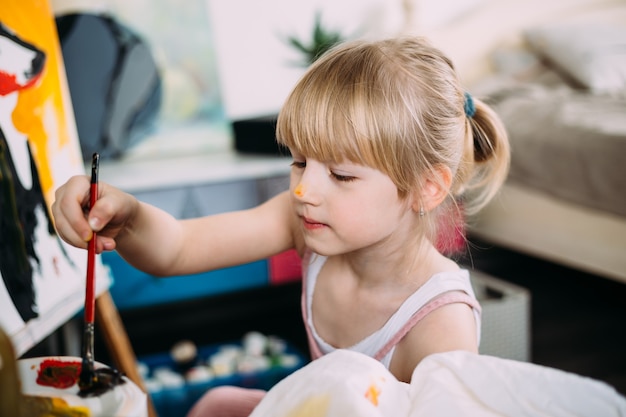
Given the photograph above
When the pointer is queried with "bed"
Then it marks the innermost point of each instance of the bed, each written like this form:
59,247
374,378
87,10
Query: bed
556,73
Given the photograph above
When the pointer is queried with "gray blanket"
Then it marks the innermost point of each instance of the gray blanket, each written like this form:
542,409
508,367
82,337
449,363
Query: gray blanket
567,143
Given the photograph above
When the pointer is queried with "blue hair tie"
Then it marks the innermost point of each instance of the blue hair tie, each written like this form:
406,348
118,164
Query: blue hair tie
468,106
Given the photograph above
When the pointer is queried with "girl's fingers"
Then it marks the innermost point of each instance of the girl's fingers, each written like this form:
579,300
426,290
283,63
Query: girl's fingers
76,222
67,233
104,244
68,213
103,211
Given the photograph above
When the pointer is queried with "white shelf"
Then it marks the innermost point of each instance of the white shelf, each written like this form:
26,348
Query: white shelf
187,156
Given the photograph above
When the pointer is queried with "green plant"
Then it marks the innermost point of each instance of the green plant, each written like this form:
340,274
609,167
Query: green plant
322,40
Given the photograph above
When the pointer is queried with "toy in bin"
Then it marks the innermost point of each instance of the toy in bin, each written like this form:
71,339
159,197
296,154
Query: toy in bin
177,380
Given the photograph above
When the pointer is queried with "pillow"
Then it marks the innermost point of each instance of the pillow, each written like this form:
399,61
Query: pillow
592,54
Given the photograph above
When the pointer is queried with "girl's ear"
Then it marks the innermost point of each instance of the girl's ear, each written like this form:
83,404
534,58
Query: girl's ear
433,190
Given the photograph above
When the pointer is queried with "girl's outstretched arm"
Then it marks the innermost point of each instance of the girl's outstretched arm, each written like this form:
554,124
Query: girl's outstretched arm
155,242
207,243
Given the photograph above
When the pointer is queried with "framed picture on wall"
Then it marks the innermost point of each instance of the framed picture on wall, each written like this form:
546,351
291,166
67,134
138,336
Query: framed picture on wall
42,281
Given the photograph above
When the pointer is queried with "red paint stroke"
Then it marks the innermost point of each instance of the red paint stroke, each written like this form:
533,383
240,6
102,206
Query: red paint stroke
9,84
58,374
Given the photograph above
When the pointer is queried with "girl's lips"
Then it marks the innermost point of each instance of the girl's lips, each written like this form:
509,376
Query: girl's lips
312,224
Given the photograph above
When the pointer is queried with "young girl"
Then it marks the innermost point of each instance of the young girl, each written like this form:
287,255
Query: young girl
384,139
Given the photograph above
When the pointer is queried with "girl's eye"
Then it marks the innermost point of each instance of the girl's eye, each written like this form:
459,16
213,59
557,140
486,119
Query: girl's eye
298,164
342,178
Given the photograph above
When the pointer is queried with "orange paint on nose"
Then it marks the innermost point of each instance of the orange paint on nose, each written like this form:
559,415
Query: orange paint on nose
299,191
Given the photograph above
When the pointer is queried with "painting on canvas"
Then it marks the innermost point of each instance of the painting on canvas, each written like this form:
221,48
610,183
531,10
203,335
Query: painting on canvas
42,278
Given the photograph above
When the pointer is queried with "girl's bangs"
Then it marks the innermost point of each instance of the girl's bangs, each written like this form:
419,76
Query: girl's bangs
322,122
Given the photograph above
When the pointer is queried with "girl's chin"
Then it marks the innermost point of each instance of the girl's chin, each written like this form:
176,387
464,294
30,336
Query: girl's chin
323,248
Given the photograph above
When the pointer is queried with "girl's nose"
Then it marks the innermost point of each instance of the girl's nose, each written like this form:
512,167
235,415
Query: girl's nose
309,182
307,194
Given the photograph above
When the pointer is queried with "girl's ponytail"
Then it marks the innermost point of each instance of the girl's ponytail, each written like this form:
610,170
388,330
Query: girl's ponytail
489,150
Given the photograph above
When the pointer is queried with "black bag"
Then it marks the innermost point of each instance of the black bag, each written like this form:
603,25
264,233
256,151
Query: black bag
114,83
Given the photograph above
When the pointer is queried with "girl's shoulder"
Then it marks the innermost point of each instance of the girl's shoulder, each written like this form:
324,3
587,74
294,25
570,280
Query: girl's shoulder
448,280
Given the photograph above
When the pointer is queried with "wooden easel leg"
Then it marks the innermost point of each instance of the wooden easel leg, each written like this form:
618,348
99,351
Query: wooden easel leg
118,344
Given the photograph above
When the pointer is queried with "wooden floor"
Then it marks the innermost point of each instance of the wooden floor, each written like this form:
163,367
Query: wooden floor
578,320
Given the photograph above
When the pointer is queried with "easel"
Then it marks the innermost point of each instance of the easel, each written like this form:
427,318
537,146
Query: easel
108,322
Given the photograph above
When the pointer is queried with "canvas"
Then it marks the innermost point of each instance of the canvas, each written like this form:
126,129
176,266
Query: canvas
43,278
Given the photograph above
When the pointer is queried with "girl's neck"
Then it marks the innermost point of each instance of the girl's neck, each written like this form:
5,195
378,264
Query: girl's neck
399,268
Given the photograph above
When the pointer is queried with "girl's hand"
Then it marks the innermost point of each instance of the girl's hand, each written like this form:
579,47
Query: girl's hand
76,222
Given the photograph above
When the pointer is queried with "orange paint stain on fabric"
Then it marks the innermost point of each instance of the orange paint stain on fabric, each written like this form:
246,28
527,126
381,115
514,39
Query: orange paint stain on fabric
372,394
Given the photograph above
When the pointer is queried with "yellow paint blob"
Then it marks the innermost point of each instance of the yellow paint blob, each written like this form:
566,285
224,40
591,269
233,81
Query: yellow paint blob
313,406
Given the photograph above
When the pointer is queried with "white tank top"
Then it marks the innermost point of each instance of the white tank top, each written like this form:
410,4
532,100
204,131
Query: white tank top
442,288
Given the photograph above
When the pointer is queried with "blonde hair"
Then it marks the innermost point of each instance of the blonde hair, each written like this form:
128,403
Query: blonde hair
396,105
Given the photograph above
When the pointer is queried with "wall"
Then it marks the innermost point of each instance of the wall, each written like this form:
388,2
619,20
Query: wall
472,36
255,63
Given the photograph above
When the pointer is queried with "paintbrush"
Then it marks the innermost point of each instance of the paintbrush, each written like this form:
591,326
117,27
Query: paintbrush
93,381
88,377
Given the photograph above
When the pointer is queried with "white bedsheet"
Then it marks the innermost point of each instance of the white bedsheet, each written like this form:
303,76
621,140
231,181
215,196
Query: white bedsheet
345,384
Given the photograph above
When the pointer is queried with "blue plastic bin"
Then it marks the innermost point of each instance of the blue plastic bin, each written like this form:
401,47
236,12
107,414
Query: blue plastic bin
177,401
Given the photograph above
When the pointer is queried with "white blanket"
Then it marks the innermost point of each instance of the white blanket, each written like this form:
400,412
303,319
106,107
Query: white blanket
345,384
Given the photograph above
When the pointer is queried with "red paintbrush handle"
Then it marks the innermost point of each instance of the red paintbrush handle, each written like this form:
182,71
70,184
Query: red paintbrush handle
90,292
90,295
